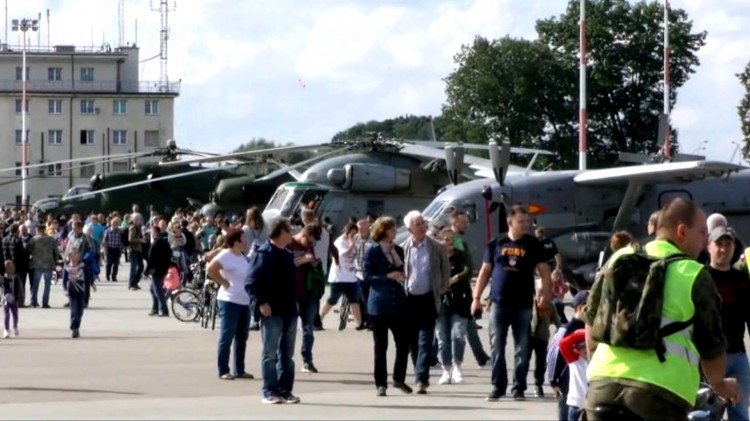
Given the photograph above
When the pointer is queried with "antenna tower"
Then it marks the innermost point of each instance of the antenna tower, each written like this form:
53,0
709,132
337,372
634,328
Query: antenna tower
164,10
121,23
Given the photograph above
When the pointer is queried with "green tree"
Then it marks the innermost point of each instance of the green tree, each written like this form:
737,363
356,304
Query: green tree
262,143
510,89
404,127
744,111
527,91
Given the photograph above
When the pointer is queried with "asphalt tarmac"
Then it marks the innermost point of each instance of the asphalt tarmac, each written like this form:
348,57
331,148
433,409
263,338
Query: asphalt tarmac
127,365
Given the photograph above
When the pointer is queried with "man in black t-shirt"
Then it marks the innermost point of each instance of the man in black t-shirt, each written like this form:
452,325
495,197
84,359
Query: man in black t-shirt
554,260
734,288
509,264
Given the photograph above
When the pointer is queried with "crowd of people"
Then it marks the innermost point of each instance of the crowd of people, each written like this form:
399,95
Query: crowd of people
272,276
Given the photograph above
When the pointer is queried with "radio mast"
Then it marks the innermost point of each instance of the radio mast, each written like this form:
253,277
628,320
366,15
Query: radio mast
164,10
121,23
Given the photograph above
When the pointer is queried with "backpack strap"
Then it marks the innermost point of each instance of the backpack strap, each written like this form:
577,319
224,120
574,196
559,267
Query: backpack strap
675,327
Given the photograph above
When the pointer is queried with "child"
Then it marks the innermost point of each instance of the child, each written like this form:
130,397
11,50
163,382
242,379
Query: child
11,297
538,342
74,278
573,349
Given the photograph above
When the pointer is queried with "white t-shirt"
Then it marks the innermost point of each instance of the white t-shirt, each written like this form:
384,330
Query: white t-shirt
234,269
578,385
344,271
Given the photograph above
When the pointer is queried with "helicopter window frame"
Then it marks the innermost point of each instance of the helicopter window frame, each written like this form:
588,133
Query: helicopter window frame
278,199
435,210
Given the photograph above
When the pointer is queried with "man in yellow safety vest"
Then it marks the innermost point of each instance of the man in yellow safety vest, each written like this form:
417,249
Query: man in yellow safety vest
636,379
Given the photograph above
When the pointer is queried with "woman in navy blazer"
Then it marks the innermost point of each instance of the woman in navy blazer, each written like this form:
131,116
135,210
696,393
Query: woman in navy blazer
384,272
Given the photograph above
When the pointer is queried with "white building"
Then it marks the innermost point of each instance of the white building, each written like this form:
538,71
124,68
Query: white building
80,103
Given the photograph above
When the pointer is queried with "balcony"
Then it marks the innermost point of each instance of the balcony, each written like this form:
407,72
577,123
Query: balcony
106,87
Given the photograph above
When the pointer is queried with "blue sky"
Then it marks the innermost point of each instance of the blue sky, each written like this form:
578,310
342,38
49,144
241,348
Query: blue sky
297,71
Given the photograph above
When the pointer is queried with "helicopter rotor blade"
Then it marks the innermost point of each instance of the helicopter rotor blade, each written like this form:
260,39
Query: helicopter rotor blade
74,167
289,168
442,145
153,180
247,154
114,157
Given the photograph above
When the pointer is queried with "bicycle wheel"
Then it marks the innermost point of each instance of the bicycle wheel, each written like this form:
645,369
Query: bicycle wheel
185,305
344,313
214,310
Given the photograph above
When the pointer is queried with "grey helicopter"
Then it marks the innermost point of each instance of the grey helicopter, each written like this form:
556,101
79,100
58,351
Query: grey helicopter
379,176
579,209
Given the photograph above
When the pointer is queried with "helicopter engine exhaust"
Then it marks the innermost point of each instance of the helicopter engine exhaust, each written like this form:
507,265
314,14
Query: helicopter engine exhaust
373,178
454,161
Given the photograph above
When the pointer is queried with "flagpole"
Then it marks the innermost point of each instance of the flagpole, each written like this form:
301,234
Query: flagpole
582,114
667,149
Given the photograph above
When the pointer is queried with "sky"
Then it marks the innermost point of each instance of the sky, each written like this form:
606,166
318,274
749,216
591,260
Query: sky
300,71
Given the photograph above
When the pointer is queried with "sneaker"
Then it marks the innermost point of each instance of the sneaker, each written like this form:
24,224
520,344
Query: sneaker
446,377
539,392
494,396
15,332
290,399
309,368
421,388
271,399
6,334
457,376
519,396
381,391
76,333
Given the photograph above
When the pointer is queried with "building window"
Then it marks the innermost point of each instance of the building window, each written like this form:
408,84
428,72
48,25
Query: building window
19,73
54,170
151,138
55,106
87,74
18,105
120,167
18,169
120,107
87,137
54,74
55,137
87,106
152,107
19,138
87,169
119,137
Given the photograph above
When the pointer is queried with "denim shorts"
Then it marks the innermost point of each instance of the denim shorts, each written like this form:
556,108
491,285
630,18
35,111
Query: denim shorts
350,289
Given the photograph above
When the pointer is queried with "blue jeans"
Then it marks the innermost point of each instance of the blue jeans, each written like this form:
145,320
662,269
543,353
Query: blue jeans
475,343
501,319
38,274
77,305
738,367
563,410
113,262
235,324
136,268
574,413
158,296
309,306
451,335
278,335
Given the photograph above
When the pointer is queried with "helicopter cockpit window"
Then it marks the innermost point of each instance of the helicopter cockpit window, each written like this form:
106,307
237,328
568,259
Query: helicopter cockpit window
278,199
297,198
434,210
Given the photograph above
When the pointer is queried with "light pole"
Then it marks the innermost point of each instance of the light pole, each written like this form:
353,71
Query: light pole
24,25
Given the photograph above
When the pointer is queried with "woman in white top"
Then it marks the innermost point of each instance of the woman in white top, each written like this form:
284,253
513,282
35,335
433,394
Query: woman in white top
229,269
342,277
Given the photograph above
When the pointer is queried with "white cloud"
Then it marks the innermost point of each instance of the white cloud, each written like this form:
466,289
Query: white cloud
241,61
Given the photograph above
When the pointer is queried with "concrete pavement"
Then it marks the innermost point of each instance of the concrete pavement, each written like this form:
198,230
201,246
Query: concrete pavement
127,365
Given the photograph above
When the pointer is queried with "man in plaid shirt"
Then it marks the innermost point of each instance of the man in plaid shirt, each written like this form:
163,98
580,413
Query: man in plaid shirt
113,248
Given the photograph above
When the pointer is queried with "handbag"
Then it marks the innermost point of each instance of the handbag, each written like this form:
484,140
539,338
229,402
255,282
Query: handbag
9,299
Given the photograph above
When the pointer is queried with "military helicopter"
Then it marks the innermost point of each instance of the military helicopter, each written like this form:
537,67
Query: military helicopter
579,209
167,187
379,176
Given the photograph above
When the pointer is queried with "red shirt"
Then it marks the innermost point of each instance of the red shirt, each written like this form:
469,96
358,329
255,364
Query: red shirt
568,343
300,272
